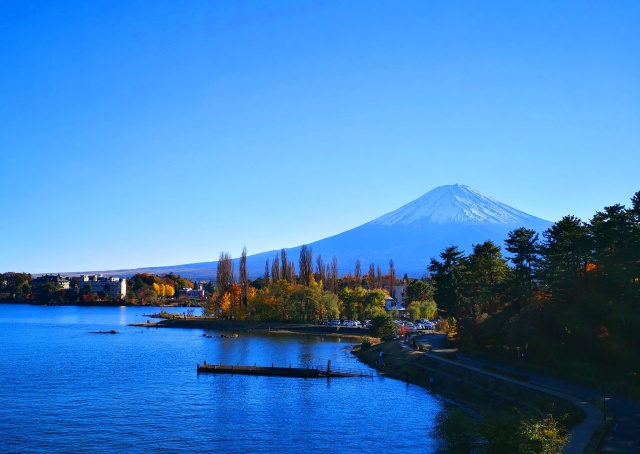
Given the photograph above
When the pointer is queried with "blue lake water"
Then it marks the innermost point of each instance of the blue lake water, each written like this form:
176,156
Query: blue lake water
65,390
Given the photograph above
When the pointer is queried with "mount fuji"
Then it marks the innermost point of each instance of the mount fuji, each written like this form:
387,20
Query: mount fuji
410,236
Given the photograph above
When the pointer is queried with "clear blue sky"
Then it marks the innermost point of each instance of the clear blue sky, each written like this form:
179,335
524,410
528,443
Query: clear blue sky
147,133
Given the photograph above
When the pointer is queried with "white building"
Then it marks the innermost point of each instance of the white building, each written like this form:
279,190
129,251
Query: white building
113,286
61,281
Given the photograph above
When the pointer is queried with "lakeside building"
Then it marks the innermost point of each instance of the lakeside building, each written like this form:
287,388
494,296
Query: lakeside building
191,293
115,287
62,282
391,304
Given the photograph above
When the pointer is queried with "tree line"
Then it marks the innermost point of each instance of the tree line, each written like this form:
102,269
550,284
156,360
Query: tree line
306,291
142,289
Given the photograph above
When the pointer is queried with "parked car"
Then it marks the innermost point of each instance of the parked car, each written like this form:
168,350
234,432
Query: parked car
410,327
348,323
357,323
334,323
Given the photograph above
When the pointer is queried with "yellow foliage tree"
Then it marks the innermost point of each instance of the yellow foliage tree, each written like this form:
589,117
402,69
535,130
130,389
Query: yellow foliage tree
251,294
169,290
225,303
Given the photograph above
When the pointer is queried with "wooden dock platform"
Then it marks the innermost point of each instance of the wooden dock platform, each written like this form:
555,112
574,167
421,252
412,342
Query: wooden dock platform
299,372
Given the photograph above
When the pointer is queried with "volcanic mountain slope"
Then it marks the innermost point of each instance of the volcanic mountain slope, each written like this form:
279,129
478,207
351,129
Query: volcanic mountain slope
420,230
410,236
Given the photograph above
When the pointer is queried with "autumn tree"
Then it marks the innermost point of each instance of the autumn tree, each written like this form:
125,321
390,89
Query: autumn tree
224,280
235,297
159,289
353,300
374,303
428,309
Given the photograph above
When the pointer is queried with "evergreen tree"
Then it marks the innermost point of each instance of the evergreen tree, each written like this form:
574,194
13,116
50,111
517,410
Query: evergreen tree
523,244
565,255
486,271
448,279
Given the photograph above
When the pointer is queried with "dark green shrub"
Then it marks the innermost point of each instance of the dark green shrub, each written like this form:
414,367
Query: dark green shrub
366,344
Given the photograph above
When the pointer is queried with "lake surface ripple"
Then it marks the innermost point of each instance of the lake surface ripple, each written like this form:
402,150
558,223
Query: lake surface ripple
63,389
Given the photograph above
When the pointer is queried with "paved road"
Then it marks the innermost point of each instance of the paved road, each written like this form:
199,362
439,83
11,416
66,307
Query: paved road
625,413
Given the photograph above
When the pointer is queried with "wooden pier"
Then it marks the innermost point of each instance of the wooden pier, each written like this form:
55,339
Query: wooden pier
299,372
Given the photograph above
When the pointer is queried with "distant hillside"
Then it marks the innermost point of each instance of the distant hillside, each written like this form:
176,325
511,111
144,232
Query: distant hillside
410,236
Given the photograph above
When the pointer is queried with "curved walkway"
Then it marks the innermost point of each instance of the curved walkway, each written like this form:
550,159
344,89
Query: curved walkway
581,434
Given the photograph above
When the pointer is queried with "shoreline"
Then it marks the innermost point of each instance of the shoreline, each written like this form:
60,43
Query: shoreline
486,393
266,327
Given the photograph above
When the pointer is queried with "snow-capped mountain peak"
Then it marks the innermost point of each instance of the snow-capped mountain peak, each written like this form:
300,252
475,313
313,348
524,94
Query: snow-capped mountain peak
454,204
410,236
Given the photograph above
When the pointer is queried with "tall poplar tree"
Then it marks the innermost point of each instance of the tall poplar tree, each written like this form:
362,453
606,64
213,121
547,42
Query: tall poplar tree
290,275
392,279
306,265
284,265
358,273
244,278
275,268
371,276
320,271
224,274
265,276
333,274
